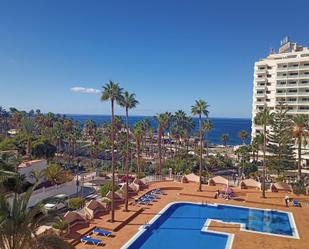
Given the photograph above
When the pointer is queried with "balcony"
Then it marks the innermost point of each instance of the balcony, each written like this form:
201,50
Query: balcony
260,79
260,95
259,87
261,71
287,94
300,76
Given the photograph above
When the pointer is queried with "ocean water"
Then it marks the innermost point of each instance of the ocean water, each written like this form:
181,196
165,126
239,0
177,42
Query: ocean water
230,126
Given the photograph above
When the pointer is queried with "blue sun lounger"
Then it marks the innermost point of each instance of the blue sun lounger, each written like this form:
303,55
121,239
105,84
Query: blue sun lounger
101,232
296,203
159,191
88,239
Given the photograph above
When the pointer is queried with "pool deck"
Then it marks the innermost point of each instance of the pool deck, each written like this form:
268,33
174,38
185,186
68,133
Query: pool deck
188,192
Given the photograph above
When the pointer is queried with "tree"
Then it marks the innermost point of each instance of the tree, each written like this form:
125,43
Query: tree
243,136
256,145
281,142
128,102
76,203
4,125
162,120
207,126
300,133
43,149
138,135
199,109
225,138
264,118
55,174
112,92
18,223
58,135
28,128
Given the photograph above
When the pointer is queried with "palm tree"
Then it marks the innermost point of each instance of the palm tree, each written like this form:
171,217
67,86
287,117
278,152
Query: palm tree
300,133
257,143
199,109
138,135
162,122
207,126
18,224
243,136
54,173
264,118
112,92
4,125
128,102
28,128
225,138
57,131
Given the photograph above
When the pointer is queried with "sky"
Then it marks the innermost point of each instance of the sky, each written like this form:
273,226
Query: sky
55,55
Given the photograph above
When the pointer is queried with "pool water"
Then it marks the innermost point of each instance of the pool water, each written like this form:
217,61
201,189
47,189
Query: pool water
182,225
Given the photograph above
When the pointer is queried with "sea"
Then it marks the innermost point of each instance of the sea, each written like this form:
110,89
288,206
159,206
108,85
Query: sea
230,126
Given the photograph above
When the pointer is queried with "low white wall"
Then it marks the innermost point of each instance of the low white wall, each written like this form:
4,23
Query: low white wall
38,195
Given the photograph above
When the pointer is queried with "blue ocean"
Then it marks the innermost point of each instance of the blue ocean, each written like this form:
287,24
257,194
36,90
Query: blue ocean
230,126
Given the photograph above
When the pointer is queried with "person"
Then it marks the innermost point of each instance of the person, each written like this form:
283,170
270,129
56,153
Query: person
287,200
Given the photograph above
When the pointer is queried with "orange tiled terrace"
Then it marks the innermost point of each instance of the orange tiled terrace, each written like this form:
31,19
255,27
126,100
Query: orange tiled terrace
128,223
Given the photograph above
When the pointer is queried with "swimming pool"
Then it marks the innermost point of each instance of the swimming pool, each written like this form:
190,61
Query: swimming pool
184,225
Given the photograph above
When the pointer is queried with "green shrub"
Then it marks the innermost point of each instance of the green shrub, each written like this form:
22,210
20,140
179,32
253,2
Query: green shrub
249,168
106,188
61,225
299,188
102,174
107,201
76,203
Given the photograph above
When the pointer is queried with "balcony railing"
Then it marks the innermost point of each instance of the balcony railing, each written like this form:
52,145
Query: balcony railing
292,68
292,76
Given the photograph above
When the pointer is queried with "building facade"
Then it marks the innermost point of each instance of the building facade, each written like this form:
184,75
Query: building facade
282,76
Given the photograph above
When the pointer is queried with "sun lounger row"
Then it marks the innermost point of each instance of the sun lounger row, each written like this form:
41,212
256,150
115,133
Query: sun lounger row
150,197
97,242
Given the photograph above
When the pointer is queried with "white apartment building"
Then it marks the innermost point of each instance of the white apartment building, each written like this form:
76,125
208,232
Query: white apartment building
282,76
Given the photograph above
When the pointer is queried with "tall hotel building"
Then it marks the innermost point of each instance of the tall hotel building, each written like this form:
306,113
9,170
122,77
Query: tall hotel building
282,76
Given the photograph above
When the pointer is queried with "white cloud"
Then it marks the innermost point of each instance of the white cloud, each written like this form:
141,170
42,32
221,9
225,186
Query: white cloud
79,89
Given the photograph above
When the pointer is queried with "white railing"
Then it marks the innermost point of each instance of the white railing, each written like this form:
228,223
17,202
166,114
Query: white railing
160,178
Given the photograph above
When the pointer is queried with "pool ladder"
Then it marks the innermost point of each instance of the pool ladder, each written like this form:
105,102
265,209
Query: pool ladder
204,203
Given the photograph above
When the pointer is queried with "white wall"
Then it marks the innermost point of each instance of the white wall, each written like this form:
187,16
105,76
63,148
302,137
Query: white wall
67,188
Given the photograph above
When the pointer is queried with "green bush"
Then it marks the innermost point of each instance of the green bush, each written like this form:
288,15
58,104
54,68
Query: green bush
43,148
106,188
76,203
61,225
299,188
107,201
102,174
249,168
